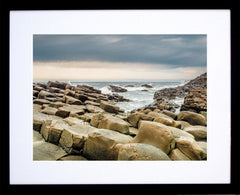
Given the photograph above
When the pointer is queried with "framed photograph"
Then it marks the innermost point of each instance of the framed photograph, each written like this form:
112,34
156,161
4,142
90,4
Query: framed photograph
120,97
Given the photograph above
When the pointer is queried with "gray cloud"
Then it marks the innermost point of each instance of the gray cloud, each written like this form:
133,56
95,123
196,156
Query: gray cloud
173,50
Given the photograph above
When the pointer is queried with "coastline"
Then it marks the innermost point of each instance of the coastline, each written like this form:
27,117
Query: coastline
82,123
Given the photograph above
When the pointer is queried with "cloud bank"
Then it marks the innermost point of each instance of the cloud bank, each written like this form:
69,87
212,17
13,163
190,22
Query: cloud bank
99,57
174,50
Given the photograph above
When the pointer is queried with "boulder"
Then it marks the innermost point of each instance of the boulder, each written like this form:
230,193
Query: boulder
109,107
54,90
199,132
37,88
72,158
166,121
176,154
72,100
51,130
94,109
37,107
155,134
87,117
81,97
108,121
73,138
203,145
41,101
37,137
190,148
43,85
134,118
204,113
54,99
56,84
157,115
192,118
87,88
138,151
39,117
57,104
182,124
171,114
133,131
44,94
180,133
196,100
114,88
147,86
101,144
74,121
70,110
35,93
92,103
69,92
45,151
49,110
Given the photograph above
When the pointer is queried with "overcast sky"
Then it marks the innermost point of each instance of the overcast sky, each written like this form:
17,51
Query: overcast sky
116,57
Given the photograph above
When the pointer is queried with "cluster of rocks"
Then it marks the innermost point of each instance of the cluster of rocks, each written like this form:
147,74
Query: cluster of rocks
195,101
182,91
194,93
77,95
161,104
80,123
118,89
114,88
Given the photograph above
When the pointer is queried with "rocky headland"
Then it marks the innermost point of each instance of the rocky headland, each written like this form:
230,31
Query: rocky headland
81,123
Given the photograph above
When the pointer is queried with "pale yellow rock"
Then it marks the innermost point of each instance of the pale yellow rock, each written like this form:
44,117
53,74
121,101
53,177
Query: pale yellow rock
108,107
155,134
199,132
107,121
192,118
190,148
176,154
51,130
138,151
73,138
134,118
101,144
49,110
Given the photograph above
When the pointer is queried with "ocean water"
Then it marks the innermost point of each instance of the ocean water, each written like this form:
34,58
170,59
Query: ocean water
137,97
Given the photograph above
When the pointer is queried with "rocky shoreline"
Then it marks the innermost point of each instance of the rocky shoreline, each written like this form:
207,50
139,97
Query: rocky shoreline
81,123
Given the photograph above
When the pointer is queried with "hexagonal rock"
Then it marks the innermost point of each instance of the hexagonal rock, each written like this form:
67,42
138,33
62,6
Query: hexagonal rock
134,118
94,109
155,134
68,110
41,101
138,151
109,107
192,118
176,154
45,151
166,121
39,117
199,132
49,110
107,121
51,130
190,148
73,138
101,144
